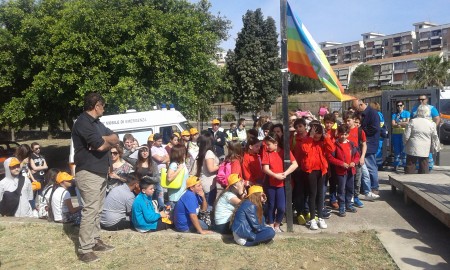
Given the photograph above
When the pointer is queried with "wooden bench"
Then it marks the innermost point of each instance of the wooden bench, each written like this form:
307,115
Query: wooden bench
430,191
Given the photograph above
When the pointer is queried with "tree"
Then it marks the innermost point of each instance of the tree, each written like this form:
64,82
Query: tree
361,77
301,84
253,66
135,53
432,71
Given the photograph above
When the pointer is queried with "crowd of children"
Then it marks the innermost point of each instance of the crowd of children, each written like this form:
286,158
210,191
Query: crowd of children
191,185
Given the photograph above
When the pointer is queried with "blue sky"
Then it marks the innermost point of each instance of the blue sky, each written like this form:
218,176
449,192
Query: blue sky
339,20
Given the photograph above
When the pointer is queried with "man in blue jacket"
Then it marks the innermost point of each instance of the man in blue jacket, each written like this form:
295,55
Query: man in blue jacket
370,123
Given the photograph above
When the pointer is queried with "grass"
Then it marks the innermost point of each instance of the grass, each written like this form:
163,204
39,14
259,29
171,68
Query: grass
52,246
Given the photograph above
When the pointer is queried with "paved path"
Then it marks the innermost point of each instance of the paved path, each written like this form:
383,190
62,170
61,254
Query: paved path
413,237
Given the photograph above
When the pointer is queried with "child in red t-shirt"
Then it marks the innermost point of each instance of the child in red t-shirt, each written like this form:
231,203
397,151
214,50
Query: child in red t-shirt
358,137
329,121
344,159
273,166
251,165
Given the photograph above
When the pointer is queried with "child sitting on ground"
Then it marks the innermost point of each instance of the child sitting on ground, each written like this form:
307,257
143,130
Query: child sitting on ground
61,208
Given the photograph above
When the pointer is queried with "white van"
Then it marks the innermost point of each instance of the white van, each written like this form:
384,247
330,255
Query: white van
142,124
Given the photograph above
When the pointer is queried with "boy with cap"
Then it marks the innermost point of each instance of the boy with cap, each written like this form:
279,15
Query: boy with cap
61,208
192,149
185,137
187,208
10,205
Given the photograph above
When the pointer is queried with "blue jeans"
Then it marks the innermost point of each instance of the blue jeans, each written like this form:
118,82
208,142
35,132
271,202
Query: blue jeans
223,228
277,201
379,155
345,188
397,144
365,180
203,225
159,194
265,235
372,167
211,198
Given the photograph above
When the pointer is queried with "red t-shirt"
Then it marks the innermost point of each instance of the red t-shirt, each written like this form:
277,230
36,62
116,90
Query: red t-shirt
347,152
236,167
353,136
275,161
251,168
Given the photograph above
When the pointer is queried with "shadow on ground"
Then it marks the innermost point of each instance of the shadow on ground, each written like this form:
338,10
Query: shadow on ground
429,229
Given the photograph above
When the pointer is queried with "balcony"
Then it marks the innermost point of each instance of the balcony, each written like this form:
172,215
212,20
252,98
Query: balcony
396,43
395,51
397,82
379,54
424,38
386,83
354,58
436,37
347,59
343,77
412,69
387,71
356,50
406,50
436,46
400,70
335,61
385,77
424,47
406,41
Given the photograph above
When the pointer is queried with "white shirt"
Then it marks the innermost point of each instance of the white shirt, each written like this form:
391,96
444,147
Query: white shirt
58,205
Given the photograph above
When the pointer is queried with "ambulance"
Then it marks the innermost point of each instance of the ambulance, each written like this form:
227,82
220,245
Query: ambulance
142,124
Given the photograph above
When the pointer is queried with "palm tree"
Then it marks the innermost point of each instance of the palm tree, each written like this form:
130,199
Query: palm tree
432,71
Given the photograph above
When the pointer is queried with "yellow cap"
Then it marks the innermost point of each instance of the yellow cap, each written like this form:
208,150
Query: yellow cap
193,131
14,161
185,133
177,134
35,185
233,179
255,189
63,176
215,121
192,181
150,138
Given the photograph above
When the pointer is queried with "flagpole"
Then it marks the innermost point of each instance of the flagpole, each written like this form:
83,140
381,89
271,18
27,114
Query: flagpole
284,95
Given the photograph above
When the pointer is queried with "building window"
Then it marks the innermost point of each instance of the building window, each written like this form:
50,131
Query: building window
386,42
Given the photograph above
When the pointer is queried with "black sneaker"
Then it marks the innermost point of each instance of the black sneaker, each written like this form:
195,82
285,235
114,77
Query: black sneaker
88,257
351,208
326,214
100,246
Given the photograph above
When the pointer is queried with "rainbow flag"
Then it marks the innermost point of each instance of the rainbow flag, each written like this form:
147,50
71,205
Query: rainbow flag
305,58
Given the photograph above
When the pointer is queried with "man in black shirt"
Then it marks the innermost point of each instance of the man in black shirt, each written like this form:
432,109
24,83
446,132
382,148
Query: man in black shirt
92,142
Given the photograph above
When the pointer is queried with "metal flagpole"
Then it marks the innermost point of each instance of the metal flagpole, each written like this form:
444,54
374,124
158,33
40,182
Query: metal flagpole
284,95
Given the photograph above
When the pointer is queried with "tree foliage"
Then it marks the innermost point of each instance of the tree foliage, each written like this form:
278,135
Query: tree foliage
136,53
361,77
432,71
301,84
253,66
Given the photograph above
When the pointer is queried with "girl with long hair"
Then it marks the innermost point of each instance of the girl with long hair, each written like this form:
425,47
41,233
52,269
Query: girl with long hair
251,164
177,166
146,167
248,221
119,168
207,166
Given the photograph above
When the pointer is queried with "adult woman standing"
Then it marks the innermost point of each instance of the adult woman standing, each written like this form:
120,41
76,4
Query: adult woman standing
119,167
400,120
420,136
207,166
227,202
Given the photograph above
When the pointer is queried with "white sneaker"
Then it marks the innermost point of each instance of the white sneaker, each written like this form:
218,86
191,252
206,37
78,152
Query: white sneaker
322,224
35,213
371,196
313,225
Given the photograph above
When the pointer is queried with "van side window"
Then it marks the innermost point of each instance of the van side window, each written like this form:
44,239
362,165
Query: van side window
167,131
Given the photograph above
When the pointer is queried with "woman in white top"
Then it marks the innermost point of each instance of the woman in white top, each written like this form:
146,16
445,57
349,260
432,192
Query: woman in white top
207,166
227,202
420,138
61,207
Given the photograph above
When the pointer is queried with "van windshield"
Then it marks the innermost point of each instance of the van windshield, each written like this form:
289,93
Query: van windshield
185,125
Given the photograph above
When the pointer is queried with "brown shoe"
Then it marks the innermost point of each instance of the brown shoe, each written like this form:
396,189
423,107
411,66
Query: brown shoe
88,257
100,246
334,205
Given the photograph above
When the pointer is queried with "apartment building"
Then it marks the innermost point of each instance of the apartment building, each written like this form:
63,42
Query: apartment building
432,37
396,70
384,46
220,58
344,71
343,53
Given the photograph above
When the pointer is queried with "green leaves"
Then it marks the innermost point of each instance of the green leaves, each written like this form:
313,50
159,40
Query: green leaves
136,53
361,77
253,67
432,71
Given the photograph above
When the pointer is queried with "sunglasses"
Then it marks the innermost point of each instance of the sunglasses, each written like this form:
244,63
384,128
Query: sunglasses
114,153
399,105
37,148
422,99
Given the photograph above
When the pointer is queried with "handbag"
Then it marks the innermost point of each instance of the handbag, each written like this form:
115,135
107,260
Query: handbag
175,183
